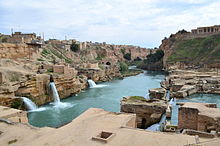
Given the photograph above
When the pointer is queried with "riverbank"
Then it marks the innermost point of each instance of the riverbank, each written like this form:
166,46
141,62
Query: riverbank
131,72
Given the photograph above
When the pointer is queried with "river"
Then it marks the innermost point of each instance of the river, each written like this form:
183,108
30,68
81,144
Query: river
107,98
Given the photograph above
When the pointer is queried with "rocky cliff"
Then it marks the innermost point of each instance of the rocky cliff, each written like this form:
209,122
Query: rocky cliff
148,112
183,50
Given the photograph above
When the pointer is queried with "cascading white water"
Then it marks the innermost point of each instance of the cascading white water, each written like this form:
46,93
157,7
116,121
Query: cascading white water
158,126
147,96
172,102
55,93
30,105
92,84
168,95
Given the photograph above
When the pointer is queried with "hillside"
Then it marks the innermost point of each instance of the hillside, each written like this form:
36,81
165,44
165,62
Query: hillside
191,50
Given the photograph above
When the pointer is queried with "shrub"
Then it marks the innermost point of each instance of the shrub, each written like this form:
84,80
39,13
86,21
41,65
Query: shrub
16,104
152,58
45,52
75,47
123,51
123,67
127,56
100,56
40,59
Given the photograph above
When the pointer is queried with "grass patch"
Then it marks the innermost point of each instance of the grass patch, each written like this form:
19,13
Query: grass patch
16,104
12,141
134,98
100,56
40,59
14,78
45,52
196,50
131,72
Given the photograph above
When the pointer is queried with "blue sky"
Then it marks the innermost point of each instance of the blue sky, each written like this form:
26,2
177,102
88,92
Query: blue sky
138,22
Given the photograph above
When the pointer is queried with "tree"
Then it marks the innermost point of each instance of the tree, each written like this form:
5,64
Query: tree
127,56
123,66
75,47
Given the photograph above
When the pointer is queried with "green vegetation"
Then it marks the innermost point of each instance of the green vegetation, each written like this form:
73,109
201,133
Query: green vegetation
100,56
127,56
123,67
75,47
123,50
137,98
45,52
3,39
67,60
12,141
152,58
197,51
153,61
16,104
14,78
49,70
40,59
60,55
131,72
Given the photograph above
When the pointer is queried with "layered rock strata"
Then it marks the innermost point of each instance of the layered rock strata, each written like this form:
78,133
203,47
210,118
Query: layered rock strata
148,111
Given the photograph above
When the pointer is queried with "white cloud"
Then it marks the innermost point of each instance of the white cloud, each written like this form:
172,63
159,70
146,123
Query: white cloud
139,22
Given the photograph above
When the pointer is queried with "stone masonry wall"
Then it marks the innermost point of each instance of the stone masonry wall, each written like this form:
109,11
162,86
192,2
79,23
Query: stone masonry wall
187,118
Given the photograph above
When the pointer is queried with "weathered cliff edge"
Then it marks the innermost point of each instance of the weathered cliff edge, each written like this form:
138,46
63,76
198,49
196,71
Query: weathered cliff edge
148,112
36,86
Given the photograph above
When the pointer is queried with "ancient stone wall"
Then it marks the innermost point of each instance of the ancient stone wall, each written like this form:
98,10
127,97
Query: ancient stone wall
199,116
15,51
187,118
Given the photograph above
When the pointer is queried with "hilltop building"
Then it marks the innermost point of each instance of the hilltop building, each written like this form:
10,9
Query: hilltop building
28,38
206,30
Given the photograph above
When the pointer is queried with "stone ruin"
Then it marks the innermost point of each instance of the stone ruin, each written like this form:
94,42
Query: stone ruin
199,117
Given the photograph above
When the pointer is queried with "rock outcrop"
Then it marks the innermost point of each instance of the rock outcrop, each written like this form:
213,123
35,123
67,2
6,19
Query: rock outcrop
183,83
148,111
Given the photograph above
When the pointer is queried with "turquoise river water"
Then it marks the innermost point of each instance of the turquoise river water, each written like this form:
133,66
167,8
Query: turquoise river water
107,98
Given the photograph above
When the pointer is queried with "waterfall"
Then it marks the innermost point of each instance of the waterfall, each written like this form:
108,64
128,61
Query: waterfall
92,84
158,126
172,102
30,105
168,95
147,96
55,93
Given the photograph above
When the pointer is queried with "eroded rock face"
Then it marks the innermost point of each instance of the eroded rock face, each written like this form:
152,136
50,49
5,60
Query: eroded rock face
15,51
158,93
148,111
101,75
37,88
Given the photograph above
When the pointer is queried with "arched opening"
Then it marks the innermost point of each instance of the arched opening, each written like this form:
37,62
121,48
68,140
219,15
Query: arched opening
143,123
108,63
